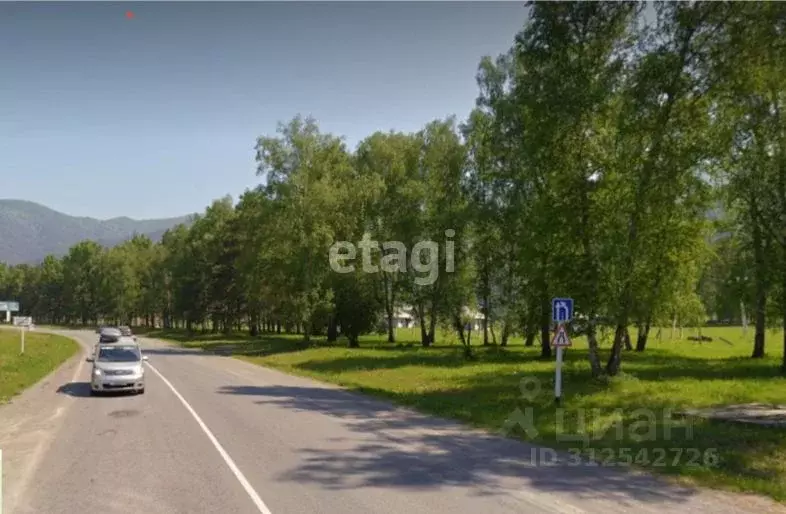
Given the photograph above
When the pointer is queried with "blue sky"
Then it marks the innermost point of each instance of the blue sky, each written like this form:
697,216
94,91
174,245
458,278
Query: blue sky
155,116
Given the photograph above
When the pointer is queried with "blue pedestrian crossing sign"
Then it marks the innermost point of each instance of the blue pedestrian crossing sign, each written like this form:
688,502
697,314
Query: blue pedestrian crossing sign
561,310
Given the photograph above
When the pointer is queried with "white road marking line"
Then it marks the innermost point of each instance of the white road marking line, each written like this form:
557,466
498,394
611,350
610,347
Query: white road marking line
232,466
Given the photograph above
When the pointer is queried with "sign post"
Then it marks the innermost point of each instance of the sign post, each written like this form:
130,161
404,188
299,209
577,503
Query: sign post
561,313
22,322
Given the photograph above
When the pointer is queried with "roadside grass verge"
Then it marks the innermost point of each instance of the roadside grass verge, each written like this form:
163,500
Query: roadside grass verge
630,419
43,353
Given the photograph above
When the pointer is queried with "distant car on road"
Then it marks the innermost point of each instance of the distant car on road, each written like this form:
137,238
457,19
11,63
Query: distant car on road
117,367
127,332
109,335
110,339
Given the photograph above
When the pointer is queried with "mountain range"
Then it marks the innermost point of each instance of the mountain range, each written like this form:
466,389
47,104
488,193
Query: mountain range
30,231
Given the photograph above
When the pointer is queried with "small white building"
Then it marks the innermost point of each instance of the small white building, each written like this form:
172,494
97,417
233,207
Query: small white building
403,317
476,318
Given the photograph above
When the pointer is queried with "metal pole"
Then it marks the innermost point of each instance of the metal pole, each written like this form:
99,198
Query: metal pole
744,319
558,377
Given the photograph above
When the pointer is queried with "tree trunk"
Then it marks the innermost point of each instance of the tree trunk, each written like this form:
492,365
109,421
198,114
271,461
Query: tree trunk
464,338
592,342
391,330
545,326
505,333
783,298
459,329
783,314
628,345
613,364
432,326
389,295
486,315
744,317
760,273
425,340
332,330
529,336
641,338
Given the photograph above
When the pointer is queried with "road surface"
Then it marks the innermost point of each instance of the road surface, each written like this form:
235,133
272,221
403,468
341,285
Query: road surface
214,434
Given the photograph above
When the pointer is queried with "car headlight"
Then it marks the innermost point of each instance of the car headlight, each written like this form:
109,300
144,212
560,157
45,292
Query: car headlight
97,372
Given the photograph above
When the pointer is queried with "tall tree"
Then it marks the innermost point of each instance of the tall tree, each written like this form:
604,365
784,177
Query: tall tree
304,169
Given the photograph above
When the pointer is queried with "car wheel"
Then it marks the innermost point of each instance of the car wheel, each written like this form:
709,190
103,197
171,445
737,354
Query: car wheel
141,391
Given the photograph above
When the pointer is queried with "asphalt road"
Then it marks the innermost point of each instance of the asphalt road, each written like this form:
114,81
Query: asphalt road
216,435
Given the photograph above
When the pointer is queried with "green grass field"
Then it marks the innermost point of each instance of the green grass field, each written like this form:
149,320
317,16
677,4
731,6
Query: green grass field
43,353
672,374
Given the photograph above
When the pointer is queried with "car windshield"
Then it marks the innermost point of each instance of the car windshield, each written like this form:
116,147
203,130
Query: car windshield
119,354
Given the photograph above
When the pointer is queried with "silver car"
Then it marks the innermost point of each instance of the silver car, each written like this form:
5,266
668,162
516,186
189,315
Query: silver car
117,367
109,335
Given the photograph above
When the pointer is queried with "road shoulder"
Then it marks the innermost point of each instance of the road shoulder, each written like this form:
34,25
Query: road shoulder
30,422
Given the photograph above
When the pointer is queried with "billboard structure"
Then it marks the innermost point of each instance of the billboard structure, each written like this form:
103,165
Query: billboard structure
9,307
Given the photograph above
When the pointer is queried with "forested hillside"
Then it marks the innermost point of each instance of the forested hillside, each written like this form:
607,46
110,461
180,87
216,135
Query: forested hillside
29,231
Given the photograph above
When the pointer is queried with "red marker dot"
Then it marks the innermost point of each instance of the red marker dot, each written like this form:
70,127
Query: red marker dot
129,14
